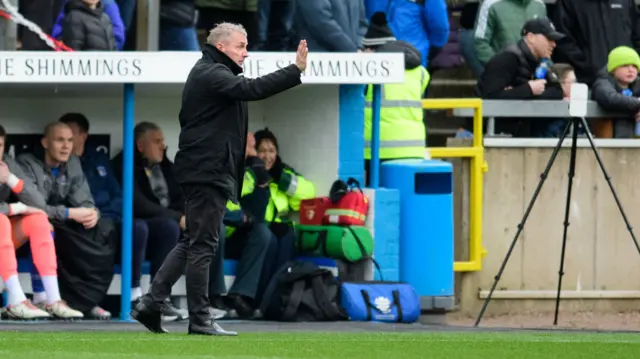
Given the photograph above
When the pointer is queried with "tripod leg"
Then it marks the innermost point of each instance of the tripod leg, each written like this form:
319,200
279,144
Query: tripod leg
572,170
608,178
543,177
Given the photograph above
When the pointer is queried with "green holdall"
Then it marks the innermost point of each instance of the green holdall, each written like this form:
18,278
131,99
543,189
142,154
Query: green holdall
349,243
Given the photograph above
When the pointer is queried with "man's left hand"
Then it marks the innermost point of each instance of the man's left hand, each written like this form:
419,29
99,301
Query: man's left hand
301,55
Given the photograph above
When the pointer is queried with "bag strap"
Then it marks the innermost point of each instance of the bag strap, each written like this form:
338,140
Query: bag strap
367,303
396,300
322,239
396,303
365,256
322,299
297,291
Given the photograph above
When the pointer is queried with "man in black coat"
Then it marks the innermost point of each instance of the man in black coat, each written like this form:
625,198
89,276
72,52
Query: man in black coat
509,75
209,166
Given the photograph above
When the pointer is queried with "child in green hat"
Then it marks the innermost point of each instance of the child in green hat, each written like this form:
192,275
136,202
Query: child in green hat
617,89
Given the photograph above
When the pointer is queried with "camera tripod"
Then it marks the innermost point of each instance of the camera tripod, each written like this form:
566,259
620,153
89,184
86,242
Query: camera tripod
577,122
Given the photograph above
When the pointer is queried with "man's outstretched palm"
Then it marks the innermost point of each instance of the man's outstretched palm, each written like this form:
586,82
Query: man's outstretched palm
301,55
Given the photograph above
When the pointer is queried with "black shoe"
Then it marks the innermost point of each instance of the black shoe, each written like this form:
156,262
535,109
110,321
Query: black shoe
218,302
240,305
151,319
170,313
210,328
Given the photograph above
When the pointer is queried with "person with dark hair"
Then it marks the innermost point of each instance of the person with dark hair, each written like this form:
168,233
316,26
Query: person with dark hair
287,188
22,220
157,199
85,243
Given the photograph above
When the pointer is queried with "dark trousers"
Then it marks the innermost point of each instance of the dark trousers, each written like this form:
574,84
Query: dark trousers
153,239
281,251
205,206
250,247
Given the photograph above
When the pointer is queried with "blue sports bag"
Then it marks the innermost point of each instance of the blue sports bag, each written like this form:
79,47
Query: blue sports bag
389,302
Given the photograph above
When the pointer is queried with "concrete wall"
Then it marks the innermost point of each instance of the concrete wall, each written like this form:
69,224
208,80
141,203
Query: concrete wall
601,258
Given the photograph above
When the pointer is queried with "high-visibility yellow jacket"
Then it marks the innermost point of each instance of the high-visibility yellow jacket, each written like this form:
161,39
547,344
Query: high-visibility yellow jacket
402,130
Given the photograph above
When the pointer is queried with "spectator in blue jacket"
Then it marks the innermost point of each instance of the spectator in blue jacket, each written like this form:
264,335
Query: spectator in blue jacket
111,9
422,23
107,196
331,25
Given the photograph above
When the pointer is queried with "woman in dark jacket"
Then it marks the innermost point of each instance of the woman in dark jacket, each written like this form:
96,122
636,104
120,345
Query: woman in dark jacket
86,27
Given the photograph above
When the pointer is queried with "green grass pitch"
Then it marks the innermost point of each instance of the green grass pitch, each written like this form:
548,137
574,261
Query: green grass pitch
311,345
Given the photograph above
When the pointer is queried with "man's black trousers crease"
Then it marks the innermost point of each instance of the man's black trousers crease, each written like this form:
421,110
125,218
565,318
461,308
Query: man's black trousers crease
205,206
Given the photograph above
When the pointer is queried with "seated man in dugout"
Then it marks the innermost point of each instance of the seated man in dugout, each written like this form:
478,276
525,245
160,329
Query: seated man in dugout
247,239
287,188
22,220
617,89
157,199
107,195
85,243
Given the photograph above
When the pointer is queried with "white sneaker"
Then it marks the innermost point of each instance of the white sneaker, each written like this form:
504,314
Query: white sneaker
97,313
61,310
26,311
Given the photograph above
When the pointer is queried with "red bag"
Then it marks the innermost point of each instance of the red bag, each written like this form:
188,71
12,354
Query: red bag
349,205
312,210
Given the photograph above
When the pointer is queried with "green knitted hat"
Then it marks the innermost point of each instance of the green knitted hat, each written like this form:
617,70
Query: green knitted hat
621,56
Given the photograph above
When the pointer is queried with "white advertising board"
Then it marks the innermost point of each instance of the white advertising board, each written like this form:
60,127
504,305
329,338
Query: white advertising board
173,67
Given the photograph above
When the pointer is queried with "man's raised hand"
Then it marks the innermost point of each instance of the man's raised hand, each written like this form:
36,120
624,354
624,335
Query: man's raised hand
301,55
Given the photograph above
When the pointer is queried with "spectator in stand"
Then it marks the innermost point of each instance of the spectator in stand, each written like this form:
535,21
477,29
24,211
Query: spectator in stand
467,47
617,89
247,239
21,220
86,27
593,29
499,23
422,23
107,194
178,25
508,75
157,198
112,11
243,12
85,243
331,25
275,21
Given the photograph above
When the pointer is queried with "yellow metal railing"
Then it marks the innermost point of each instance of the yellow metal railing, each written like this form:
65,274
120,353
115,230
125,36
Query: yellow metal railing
478,167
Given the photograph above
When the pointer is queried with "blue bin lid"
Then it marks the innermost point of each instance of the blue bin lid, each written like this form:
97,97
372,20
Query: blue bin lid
420,165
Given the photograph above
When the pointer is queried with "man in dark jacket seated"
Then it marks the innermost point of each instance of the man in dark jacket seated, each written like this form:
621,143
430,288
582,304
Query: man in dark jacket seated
85,242
156,197
247,238
510,75
107,195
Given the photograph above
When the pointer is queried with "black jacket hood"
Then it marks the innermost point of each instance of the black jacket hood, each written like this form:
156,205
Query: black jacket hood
412,57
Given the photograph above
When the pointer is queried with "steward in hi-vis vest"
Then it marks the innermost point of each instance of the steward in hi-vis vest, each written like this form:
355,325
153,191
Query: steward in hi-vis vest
402,129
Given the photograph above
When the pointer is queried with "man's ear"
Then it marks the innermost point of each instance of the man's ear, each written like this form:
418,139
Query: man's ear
43,142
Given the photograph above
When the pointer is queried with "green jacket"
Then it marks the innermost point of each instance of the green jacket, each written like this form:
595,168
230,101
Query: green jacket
499,23
237,5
